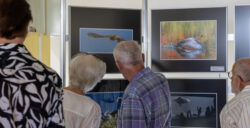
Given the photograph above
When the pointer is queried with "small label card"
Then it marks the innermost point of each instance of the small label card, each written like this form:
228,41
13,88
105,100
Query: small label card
217,68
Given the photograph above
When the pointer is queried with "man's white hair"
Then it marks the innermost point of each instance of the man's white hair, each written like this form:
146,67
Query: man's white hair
242,68
85,71
128,52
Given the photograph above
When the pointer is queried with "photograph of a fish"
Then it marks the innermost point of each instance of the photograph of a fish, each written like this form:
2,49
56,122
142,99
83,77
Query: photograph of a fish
188,40
102,40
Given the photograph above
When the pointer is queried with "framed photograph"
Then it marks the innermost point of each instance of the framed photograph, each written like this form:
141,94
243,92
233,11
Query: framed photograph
108,94
194,110
197,100
98,30
94,40
242,31
189,40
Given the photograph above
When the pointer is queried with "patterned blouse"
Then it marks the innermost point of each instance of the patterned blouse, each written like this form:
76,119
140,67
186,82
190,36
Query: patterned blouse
30,92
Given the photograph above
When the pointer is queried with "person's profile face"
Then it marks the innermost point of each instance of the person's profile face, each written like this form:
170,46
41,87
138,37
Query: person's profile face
235,82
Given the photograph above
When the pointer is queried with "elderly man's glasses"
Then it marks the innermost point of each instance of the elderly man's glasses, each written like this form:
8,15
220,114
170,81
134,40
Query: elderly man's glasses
230,75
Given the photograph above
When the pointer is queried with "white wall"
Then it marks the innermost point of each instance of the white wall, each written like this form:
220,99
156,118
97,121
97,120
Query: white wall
38,13
134,4
53,17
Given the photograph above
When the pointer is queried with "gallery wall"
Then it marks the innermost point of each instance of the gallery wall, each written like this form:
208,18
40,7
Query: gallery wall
177,4
193,77
132,4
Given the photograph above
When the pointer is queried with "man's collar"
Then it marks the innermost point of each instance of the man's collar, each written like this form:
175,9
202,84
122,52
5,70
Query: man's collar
246,88
141,73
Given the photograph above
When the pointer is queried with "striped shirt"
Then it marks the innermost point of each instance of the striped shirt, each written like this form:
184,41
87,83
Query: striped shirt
146,102
236,113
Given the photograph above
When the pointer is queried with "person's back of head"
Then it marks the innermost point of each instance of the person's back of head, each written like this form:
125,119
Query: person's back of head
242,68
128,58
15,16
240,74
85,71
128,52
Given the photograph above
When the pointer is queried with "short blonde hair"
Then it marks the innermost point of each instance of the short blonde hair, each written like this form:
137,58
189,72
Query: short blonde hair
85,70
128,52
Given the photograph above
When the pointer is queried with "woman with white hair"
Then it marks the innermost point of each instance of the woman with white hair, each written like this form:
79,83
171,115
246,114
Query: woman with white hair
85,71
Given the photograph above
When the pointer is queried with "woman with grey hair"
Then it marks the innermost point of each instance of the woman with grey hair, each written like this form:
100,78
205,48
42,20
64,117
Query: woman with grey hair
85,71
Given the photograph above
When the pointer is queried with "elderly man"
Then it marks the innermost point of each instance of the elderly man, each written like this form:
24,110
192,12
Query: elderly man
146,100
236,113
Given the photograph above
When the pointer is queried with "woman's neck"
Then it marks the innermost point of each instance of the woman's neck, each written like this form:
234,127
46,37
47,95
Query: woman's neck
75,90
17,40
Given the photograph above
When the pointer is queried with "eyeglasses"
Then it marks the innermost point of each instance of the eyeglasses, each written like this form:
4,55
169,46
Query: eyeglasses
230,75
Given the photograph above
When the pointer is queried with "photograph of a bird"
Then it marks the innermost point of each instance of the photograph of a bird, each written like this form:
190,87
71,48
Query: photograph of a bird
109,37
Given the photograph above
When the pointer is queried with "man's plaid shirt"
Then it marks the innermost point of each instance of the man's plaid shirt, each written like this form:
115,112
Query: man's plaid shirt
146,102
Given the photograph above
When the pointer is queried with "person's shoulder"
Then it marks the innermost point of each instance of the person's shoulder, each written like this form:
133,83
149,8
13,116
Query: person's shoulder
91,101
42,71
243,97
236,103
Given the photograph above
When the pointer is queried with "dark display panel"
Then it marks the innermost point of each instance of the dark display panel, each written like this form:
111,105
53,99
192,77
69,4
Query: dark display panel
242,31
103,18
189,40
193,101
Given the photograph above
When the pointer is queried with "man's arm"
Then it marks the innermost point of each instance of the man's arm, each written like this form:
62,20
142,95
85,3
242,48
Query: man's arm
131,114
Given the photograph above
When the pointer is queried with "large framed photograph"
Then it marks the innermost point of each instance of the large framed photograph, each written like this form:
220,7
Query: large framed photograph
242,31
189,40
98,30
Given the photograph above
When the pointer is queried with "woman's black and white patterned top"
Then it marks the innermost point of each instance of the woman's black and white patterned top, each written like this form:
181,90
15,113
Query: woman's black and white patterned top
30,92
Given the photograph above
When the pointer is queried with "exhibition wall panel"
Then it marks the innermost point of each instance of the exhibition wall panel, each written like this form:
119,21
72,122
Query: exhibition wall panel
242,31
195,102
98,30
189,40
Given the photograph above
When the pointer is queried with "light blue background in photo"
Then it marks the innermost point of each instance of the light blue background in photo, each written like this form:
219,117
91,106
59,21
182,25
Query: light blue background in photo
101,45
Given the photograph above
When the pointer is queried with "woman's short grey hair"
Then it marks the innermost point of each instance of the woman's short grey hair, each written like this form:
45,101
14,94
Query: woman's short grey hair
128,52
85,71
